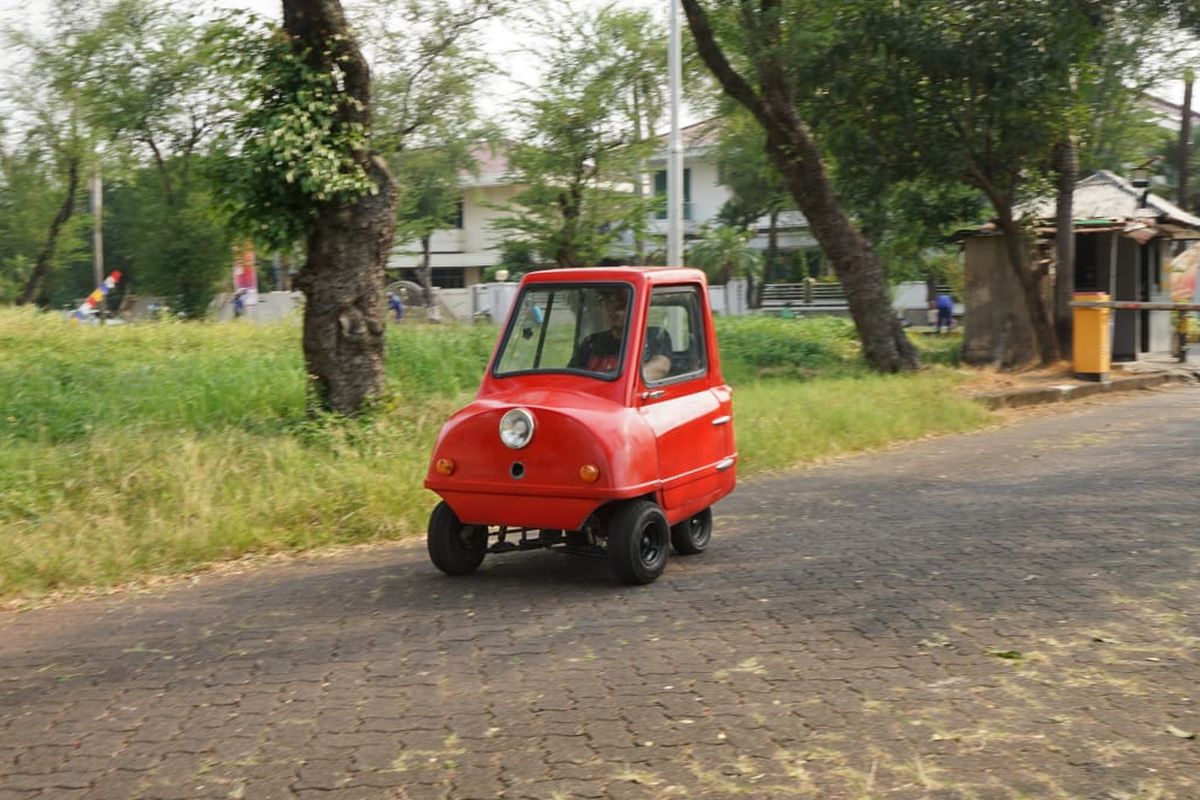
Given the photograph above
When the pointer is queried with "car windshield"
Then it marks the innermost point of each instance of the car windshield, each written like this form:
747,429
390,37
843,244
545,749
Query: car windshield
568,328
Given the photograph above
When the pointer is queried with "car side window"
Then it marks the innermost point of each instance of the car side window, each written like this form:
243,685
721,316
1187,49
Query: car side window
674,340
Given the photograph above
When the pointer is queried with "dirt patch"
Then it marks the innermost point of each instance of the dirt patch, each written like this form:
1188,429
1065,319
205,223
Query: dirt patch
989,379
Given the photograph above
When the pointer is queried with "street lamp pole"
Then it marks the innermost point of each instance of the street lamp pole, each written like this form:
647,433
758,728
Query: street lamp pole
97,233
674,150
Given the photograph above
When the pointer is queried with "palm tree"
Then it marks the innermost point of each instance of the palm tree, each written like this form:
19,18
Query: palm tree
724,253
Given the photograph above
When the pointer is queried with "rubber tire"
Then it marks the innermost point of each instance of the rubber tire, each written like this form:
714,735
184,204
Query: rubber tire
693,534
638,538
454,548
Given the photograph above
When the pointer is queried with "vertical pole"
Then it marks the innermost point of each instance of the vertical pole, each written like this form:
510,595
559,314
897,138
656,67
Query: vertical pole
675,152
1185,139
98,235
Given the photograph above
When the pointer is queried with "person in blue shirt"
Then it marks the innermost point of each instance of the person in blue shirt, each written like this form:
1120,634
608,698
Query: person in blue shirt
396,305
945,312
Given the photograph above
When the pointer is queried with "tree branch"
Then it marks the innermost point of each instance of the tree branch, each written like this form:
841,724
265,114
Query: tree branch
733,83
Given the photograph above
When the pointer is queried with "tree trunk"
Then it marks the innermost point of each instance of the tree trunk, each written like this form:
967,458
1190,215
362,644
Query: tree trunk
798,160
343,290
349,242
1029,276
41,266
1066,157
426,275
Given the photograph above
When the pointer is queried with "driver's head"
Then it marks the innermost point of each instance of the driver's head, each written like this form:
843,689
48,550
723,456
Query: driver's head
613,302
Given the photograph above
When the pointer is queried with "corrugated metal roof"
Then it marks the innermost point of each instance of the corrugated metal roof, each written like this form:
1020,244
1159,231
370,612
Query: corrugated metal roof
1107,196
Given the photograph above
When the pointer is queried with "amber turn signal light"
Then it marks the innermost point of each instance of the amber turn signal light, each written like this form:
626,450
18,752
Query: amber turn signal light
445,466
588,473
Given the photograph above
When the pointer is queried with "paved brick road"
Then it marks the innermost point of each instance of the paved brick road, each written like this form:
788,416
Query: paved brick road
1005,615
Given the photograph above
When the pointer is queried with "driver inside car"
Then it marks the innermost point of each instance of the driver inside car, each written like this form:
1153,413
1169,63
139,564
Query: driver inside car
601,351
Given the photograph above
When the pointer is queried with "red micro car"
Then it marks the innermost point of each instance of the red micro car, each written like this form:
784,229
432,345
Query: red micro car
602,426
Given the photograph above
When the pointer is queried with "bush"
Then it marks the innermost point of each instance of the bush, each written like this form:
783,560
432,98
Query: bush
756,347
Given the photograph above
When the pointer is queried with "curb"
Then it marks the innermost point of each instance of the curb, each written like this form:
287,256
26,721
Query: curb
1062,393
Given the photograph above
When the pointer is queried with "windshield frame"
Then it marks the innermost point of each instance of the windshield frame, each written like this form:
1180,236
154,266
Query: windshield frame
554,287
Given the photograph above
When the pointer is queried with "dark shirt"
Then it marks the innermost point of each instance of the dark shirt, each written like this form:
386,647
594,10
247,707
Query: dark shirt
600,352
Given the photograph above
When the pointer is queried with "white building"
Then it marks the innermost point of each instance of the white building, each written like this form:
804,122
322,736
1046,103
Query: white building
460,254
704,194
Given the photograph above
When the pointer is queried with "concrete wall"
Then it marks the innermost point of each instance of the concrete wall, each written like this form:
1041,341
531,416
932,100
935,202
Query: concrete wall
271,306
996,326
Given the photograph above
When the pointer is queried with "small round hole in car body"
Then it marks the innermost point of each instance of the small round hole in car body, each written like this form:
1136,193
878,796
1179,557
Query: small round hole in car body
517,470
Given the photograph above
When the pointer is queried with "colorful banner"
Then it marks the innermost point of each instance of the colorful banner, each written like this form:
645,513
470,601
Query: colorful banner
245,280
98,294
1182,276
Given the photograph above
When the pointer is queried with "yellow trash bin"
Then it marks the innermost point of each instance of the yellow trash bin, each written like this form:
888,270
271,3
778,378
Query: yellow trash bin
1092,356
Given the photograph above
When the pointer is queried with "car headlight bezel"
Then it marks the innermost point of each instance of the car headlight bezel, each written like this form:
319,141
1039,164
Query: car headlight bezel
516,428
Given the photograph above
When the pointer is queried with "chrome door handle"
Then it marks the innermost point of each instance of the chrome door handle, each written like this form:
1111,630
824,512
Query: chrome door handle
722,420
654,395
724,464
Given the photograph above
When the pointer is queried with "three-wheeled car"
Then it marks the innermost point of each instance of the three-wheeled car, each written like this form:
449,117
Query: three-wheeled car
602,427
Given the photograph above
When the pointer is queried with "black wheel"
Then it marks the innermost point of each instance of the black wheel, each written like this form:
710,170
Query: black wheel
637,542
693,534
454,548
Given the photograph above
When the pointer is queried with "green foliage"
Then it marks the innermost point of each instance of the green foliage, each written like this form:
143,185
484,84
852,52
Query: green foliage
54,126
911,223
293,147
756,347
30,196
965,94
754,183
782,423
585,141
724,253
180,251
429,186
428,68
515,256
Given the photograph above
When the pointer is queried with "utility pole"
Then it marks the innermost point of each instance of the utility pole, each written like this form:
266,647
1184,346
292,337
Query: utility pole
1185,139
97,233
674,151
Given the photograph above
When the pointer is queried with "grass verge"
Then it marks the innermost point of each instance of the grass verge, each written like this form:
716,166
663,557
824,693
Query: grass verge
156,449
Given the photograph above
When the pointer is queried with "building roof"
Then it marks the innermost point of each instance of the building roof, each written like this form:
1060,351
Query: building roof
1108,196
1168,114
491,165
695,139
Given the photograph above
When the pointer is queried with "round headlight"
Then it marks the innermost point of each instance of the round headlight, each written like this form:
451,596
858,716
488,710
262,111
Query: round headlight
516,428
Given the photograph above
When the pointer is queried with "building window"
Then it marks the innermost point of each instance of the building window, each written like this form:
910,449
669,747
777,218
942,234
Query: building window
660,190
456,217
443,277
1087,262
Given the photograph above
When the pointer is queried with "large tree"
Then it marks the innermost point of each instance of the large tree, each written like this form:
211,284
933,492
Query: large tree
309,166
582,146
350,232
430,69
761,38
57,128
430,199
156,87
953,92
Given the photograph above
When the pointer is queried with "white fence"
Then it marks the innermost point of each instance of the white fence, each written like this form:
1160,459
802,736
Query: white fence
491,301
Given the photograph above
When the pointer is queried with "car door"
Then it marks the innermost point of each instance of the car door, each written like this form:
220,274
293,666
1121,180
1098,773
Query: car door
687,417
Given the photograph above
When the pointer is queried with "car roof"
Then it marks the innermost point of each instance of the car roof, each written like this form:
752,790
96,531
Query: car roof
638,276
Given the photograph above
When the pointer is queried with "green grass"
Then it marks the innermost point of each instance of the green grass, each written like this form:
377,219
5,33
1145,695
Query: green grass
155,449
